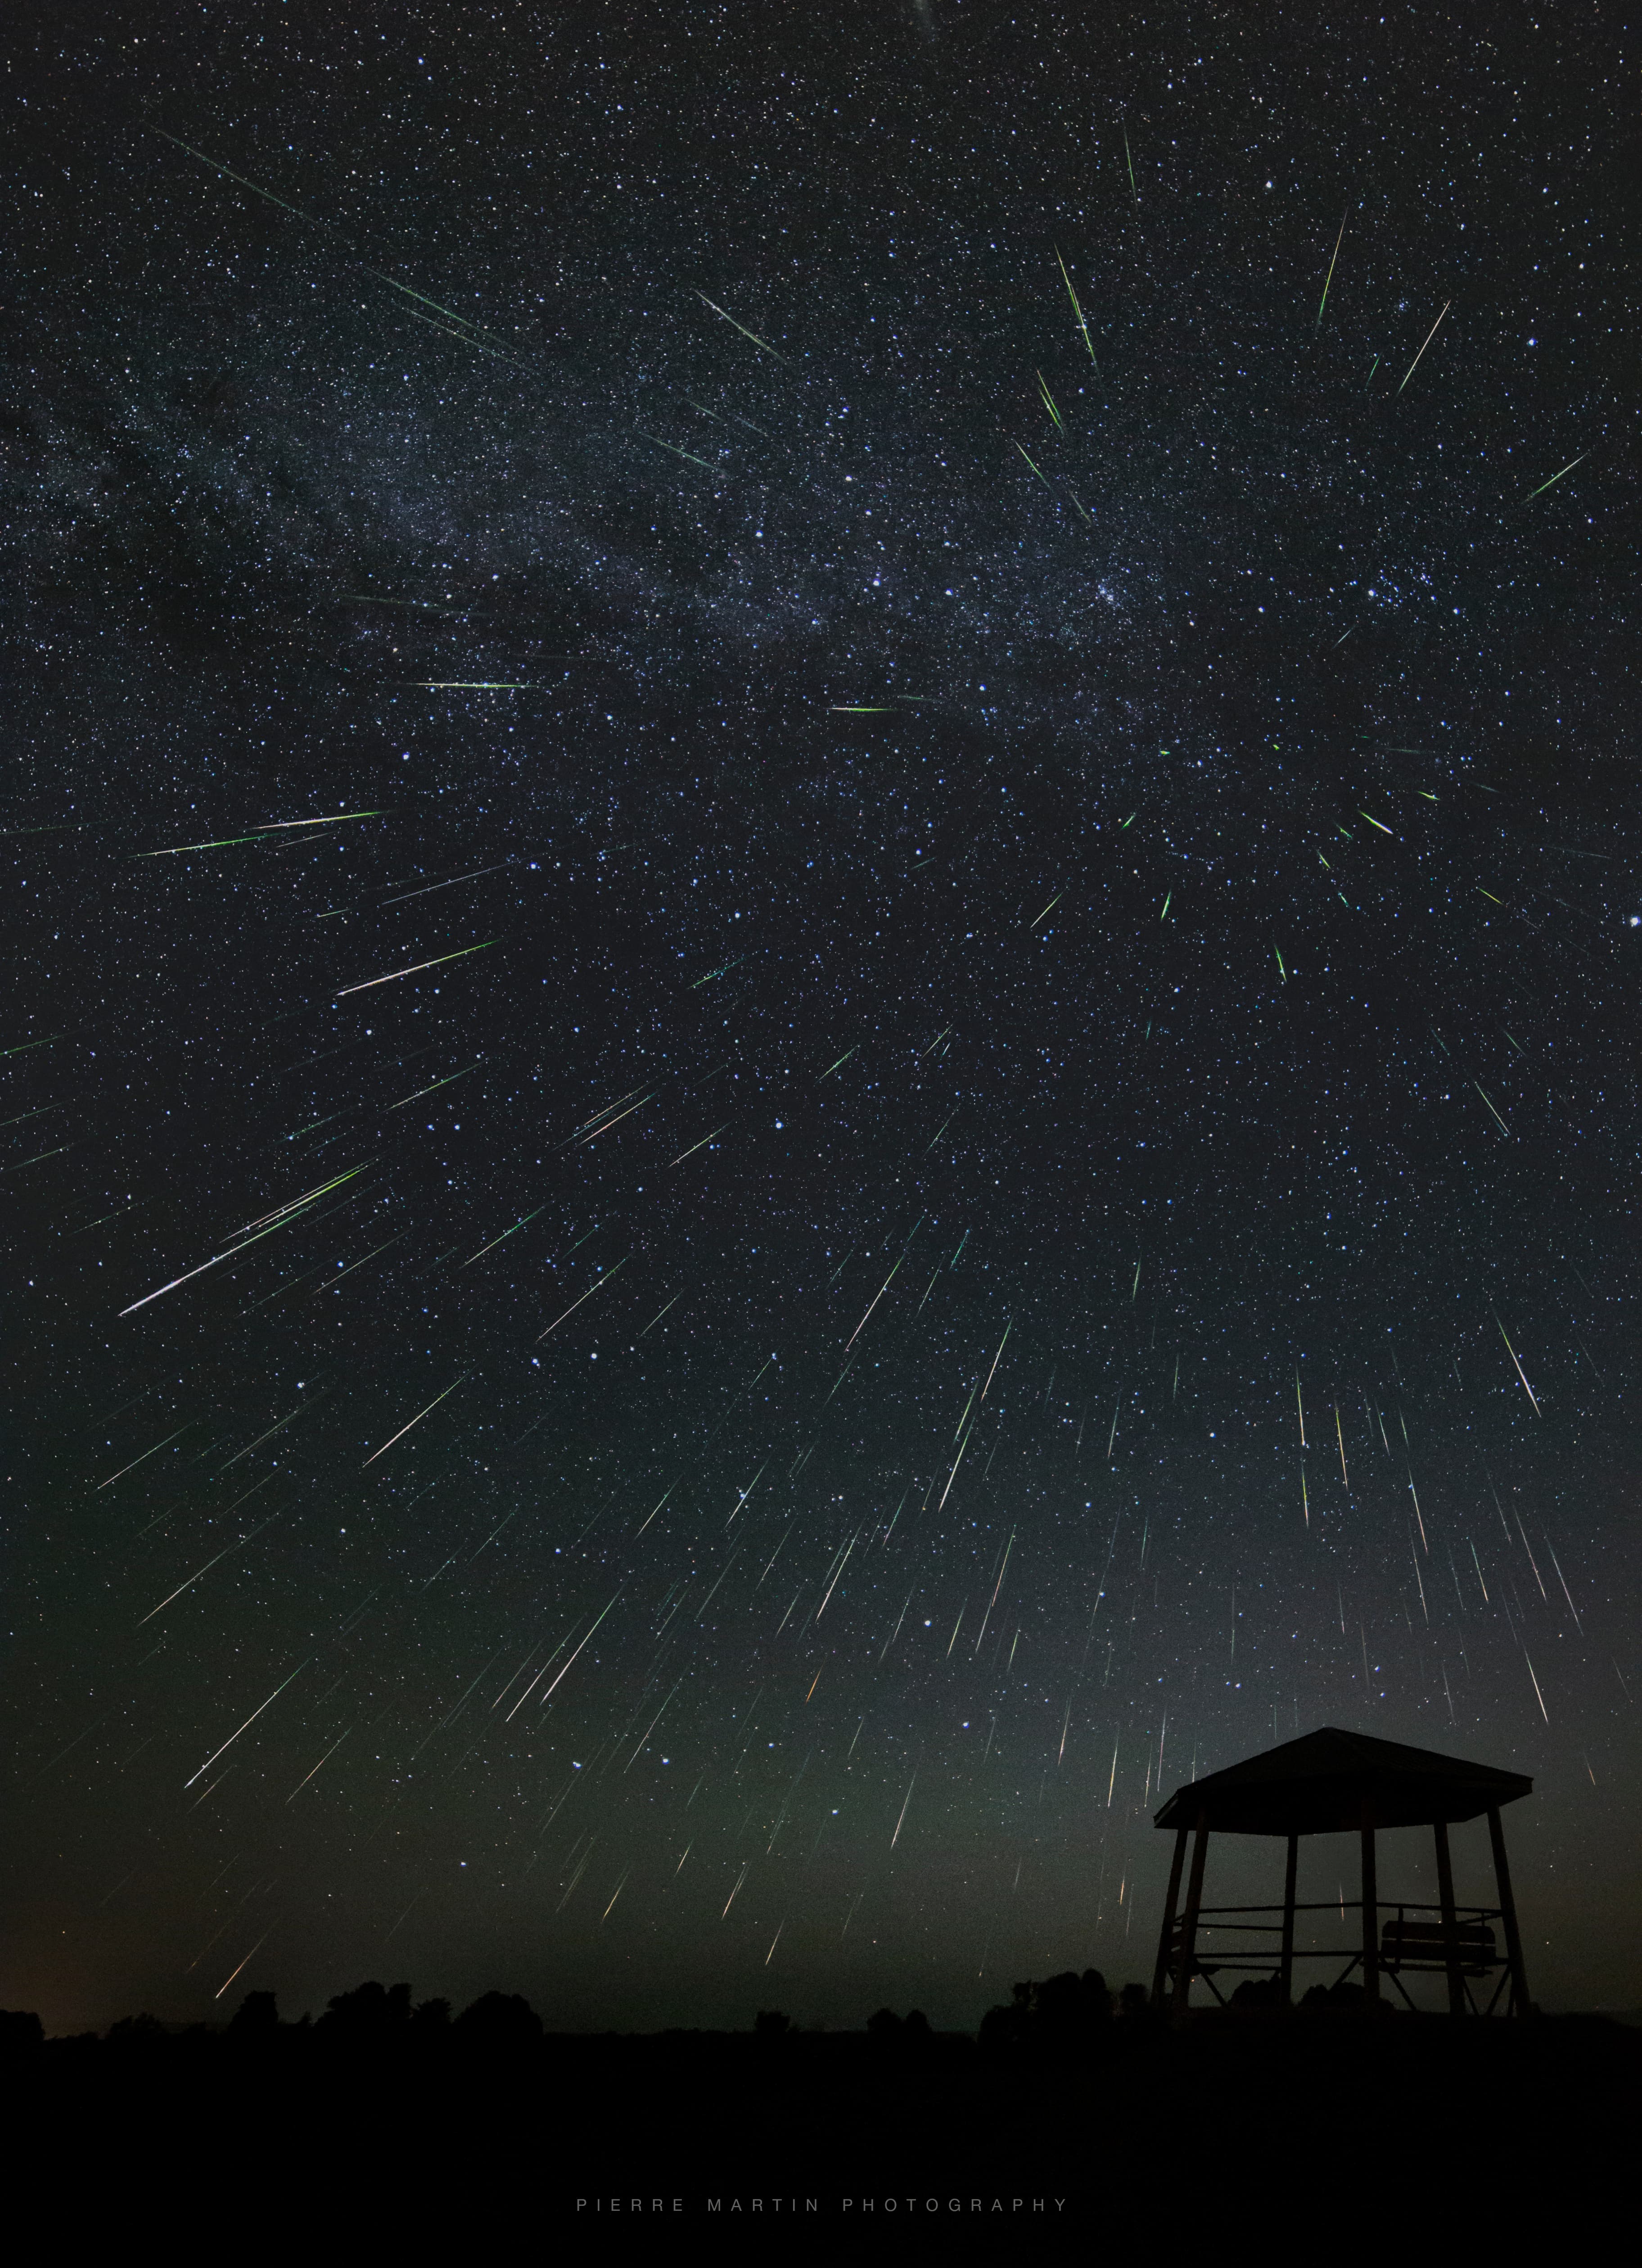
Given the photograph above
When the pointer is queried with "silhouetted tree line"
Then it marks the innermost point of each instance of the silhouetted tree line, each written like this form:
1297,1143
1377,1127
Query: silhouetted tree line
1067,2018
371,2016
1064,2014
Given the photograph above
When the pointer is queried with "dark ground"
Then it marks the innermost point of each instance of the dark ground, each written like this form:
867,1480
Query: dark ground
1331,2136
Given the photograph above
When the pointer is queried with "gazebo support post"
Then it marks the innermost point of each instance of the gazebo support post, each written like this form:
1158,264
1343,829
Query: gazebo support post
1188,1928
1508,1915
1160,1975
1285,1968
1371,1909
1450,1943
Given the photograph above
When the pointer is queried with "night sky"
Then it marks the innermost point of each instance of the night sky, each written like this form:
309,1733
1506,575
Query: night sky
821,839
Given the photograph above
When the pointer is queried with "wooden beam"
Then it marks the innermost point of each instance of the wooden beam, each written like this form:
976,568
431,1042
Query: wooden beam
1188,1928
1450,1947
1371,1908
1160,1975
1520,2003
1285,1968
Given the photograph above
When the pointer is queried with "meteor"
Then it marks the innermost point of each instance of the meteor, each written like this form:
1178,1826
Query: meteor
1414,365
1329,278
746,334
1077,310
1554,477
250,1720
1512,1351
588,1293
677,451
416,969
281,1219
416,1420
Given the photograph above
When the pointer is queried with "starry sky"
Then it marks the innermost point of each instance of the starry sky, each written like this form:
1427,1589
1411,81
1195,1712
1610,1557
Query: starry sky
820,835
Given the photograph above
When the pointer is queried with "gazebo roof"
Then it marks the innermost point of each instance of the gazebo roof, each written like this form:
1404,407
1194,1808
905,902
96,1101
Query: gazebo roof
1319,1785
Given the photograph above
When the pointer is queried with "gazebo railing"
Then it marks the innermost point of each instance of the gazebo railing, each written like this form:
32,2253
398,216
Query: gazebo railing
1413,1937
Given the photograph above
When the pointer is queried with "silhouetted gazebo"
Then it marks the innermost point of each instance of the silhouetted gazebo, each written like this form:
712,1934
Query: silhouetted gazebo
1331,1783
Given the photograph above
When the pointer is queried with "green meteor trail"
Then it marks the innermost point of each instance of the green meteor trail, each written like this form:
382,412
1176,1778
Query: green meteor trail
1329,278
702,1144
746,334
507,1232
1049,404
38,1156
1498,1121
677,451
437,1082
587,1294
417,968
470,334
577,1303
281,1217
1076,309
1554,477
258,834
1042,476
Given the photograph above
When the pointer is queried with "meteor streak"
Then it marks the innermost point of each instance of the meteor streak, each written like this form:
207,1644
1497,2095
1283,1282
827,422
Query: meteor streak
1512,1351
746,334
1429,335
1076,309
249,1721
281,1219
1329,278
1554,477
416,968
416,1420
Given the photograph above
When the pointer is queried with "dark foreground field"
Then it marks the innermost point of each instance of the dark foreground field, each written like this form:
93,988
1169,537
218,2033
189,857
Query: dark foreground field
1333,2136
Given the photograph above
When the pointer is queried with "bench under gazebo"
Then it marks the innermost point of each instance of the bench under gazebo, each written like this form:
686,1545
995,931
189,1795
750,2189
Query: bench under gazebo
1333,1783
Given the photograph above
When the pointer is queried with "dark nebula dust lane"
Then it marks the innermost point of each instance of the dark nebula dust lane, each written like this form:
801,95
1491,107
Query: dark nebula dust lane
821,1034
